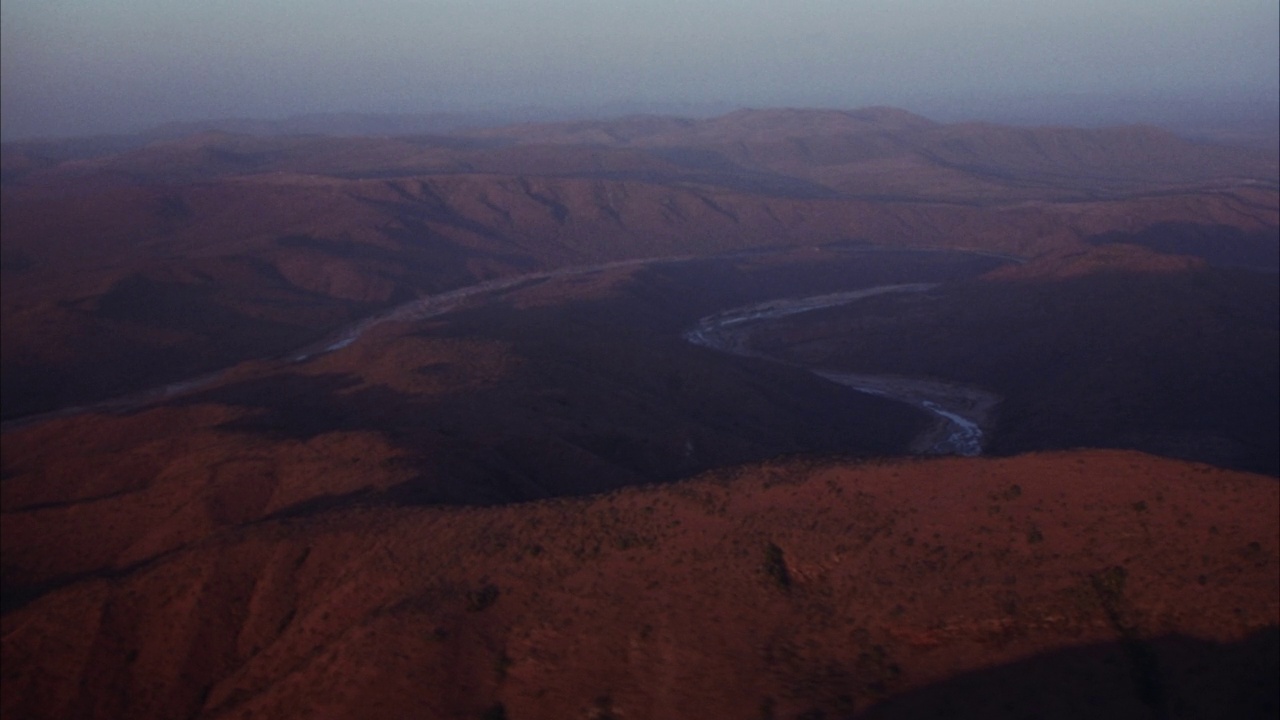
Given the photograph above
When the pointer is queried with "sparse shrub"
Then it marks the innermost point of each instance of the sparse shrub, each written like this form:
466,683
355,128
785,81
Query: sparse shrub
1109,584
775,566
501,664
603,709
1013,492
628,540
481,599
1034,535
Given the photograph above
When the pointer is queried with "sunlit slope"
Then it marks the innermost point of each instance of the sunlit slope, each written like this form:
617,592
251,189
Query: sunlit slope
1107,583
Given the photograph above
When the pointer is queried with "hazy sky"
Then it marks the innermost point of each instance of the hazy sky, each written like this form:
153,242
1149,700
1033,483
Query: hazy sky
77,66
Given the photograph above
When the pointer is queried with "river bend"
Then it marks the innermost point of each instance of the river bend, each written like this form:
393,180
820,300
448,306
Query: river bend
961,412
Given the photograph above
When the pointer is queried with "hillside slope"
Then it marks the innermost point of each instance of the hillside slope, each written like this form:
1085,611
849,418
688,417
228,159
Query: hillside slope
1107,583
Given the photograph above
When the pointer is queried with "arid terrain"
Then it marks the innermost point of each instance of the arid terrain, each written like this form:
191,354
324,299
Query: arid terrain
539,421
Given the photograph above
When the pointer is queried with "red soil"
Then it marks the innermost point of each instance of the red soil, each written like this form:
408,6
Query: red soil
664,602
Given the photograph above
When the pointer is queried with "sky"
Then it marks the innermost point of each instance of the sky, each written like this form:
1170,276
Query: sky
107,66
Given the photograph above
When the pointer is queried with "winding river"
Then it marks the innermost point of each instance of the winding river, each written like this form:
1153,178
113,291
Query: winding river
961,412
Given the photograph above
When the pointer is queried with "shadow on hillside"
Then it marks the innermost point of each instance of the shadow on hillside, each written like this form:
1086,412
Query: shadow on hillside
1168,677
1220,245
1175,364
